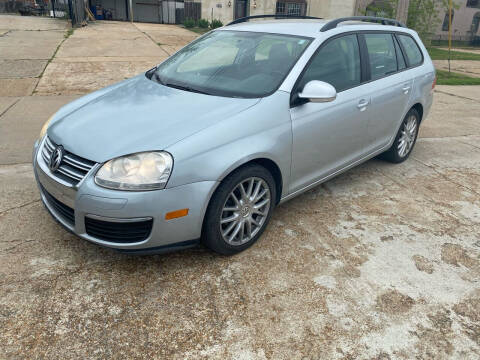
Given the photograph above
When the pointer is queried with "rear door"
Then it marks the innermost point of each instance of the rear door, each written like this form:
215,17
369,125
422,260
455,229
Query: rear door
390,87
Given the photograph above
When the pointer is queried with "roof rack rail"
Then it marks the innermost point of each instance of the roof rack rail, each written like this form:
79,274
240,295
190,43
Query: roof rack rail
333,24
246,18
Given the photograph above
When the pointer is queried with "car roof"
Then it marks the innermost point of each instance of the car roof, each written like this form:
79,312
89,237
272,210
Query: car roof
307,27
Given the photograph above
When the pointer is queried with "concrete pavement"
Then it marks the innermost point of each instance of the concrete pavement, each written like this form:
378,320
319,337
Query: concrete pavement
382,262
26,46
107,52
467,67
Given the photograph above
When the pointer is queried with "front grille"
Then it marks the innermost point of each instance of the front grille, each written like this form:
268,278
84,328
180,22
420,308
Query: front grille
72,169
60,208
118,232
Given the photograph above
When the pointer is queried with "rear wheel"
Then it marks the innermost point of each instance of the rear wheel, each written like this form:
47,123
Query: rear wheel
239,210
405,139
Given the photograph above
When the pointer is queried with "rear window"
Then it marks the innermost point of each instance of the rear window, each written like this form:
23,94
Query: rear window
413,53
382,54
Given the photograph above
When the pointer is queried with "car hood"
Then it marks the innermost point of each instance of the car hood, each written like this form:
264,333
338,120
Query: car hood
137,115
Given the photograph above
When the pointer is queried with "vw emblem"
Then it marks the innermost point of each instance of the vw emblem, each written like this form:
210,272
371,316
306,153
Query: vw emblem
56,158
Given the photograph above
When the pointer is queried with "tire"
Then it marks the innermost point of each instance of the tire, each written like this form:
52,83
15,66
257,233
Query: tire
227,212
405,140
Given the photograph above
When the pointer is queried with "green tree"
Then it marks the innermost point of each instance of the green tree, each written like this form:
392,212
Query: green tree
383,8
424,16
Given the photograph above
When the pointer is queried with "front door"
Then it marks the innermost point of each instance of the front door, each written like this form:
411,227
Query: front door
329,136
241,9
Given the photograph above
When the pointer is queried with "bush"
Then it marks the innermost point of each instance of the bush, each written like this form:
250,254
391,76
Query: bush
189,23
216,24
202,23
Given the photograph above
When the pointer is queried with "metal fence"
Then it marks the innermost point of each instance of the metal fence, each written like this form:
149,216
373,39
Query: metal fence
69,9
192,10
59,9
11,6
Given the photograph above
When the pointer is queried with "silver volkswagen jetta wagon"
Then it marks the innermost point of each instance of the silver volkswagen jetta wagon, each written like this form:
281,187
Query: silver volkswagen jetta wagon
205,145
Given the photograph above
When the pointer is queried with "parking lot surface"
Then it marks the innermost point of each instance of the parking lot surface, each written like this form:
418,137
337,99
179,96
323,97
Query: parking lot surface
382,262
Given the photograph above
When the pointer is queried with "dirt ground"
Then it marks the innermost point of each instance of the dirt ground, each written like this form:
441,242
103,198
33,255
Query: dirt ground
382,262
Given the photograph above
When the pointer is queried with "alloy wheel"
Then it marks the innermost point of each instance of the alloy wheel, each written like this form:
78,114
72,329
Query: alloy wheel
245,211
407,137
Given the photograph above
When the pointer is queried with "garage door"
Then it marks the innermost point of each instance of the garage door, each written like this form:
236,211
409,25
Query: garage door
147,11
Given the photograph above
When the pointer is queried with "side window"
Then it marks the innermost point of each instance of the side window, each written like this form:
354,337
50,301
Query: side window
337,63
400,60
413,53
382,54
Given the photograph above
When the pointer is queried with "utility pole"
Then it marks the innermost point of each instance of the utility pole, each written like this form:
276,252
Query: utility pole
131,11
450,7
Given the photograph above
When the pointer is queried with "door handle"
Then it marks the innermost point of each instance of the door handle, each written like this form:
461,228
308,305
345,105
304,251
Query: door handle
406,89
362,104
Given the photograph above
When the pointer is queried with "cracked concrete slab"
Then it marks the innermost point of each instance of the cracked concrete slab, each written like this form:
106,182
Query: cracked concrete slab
468,91
335,276
23,45
85,77
452,114
82,47
21,124
6,103
171,38
17,22
21,68
17,87
467,67
20,193
148,59
119,30
170,50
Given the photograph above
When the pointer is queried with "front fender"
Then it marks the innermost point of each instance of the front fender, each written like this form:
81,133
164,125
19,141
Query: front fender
262,131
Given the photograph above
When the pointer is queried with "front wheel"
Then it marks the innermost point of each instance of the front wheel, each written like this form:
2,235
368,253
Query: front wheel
239,210
405,139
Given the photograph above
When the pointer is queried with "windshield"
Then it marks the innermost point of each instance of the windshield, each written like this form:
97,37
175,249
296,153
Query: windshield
233,63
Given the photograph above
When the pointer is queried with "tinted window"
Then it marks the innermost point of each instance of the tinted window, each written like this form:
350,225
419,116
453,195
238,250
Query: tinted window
413,53
381,51
400,59
337,63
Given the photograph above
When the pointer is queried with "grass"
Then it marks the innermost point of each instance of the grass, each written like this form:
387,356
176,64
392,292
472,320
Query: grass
446,78
69,33
441,54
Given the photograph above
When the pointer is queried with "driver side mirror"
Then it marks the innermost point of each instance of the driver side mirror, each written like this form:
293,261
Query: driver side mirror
318,92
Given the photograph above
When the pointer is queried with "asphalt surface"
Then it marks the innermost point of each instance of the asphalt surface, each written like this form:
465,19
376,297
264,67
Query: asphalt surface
381,262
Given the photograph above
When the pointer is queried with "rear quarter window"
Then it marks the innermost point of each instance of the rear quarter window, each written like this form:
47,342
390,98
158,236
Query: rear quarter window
412,51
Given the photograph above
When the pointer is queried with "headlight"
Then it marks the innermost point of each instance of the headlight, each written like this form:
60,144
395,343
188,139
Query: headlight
44,128
136,172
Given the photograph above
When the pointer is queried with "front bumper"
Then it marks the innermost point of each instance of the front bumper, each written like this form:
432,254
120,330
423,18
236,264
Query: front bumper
88,200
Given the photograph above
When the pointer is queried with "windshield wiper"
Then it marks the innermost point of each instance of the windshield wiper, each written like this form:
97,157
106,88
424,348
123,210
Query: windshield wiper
186,88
